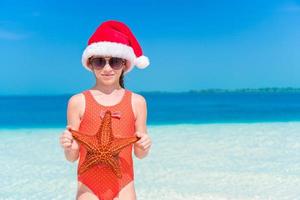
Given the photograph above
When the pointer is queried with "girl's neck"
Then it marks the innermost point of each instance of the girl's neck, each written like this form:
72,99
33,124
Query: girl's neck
107,89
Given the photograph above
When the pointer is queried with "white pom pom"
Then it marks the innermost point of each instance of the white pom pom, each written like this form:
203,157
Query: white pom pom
141,62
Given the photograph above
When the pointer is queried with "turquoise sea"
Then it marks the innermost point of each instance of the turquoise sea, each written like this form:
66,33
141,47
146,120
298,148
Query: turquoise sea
163,108
236,146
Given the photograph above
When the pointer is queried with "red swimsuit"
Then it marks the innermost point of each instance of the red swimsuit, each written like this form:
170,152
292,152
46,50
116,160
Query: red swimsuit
100,178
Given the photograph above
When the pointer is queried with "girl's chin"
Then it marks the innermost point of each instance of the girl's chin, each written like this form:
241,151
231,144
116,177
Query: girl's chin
106,78
108,81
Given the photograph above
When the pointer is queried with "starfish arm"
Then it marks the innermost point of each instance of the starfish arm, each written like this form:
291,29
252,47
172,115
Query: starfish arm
104,133
88,141
120,143
114,165
88,163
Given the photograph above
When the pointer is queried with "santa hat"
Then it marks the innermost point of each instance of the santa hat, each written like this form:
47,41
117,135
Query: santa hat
114,38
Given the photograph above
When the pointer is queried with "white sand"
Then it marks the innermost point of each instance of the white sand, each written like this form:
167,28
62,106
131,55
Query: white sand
209,161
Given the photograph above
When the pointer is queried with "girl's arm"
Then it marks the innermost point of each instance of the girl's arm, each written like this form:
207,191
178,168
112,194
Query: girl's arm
73,118
141,147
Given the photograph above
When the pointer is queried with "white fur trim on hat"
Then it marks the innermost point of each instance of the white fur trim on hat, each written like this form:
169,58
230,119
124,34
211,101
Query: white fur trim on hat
109,49
142,62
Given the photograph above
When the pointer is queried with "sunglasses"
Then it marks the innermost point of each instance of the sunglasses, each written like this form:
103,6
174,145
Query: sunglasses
114,62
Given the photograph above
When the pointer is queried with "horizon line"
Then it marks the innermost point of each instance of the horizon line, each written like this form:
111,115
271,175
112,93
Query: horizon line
207,90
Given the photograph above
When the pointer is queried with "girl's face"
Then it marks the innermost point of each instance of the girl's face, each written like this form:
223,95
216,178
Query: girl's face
104,72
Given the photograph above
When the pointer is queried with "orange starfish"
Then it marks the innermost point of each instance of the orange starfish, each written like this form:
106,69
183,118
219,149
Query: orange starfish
103,148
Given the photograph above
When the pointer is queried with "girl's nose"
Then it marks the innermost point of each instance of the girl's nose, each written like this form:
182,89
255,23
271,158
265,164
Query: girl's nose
107,67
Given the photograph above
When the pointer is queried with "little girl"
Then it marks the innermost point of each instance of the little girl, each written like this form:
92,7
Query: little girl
112,51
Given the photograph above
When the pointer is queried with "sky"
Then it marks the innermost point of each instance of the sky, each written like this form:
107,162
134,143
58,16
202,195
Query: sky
191,45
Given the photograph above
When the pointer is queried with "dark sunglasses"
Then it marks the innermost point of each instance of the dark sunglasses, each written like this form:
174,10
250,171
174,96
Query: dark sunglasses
114,62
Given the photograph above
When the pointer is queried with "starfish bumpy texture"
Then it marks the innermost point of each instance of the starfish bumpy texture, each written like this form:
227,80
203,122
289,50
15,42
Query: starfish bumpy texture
102,148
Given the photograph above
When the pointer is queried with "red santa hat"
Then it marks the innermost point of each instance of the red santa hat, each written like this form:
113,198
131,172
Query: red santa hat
114,38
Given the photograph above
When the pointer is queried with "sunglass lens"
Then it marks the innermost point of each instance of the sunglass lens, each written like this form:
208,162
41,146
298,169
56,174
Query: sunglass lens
98,62
116,63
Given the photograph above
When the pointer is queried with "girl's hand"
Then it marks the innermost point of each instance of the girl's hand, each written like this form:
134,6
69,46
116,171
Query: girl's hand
144,142
67,141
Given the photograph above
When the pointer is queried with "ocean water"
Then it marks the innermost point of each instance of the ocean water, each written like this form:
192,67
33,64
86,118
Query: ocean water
163,108
224,146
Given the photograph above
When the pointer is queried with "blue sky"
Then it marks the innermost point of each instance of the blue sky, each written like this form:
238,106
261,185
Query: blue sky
191,44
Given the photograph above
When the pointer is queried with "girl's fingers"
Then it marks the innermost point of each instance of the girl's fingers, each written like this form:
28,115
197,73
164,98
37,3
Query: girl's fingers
146,148
144,145
67,140
68,127
140,134
68,145
139,145
144,141
139,141
143,138
67,134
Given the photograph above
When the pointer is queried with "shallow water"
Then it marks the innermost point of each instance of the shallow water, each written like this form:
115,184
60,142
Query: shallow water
205,161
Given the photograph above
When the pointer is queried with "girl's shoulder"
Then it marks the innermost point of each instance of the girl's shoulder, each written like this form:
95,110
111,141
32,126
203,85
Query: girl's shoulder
77,101
137,99
139,105
77,98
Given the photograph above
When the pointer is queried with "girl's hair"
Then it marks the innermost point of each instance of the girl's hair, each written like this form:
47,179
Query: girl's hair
121,80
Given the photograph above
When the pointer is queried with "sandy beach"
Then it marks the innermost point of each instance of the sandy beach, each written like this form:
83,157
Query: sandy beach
203,161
